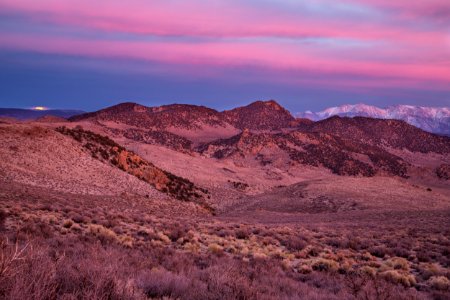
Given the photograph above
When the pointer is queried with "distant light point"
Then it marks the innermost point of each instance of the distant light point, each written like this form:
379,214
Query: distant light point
39,108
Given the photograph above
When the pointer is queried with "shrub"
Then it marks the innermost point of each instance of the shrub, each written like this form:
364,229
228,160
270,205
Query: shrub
294,243
163,284
428,270
242,234
176,233
2,219
305,269
395,277
423,256
76,228
126,241
398,263
102,233
259,255
35,228
67,223
216,249
325,265
379,251
368,271
401,252
312,251
78,218
164,238
439,283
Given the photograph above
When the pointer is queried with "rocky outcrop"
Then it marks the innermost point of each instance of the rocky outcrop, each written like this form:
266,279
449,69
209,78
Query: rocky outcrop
108,151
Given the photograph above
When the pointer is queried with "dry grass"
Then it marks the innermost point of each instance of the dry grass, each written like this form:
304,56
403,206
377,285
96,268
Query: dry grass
189,255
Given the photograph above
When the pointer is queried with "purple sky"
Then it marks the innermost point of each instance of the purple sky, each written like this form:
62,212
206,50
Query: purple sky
305,54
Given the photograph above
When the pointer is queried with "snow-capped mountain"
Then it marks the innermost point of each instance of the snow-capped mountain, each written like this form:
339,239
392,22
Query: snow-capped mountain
432,119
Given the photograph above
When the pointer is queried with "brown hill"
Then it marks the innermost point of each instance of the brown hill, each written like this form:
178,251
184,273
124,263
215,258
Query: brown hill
163,117
38,156
260,115
390,133
342,157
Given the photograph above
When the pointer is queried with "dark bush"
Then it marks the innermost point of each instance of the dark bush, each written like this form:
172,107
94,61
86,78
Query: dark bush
242,233
178,231
294,243
34,228
378,251
162,283
2,219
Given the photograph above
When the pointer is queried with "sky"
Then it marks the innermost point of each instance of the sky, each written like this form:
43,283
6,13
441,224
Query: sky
306,54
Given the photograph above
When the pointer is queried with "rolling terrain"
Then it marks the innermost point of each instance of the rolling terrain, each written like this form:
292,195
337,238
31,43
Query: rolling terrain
186,202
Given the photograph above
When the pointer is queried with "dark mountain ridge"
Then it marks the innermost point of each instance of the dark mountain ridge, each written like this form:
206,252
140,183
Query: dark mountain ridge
32,114
391,133
259,115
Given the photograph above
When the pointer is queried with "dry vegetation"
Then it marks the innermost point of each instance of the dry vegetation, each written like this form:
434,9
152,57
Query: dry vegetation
57,245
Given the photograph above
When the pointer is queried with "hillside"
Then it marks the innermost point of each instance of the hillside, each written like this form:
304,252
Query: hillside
87,163
388,133
40,156
342,157
106,150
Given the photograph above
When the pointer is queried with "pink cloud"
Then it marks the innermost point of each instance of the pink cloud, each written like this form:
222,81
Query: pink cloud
211,19
227,54
390,50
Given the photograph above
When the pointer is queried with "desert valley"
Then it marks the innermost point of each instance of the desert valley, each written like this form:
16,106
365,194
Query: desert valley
186,202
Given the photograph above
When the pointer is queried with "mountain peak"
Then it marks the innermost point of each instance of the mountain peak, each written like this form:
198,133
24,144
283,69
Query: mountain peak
260,115
127,106
432,119
268,104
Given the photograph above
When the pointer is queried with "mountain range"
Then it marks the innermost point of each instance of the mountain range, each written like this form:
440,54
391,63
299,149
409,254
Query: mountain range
432,119
261,137
266,132
31,114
